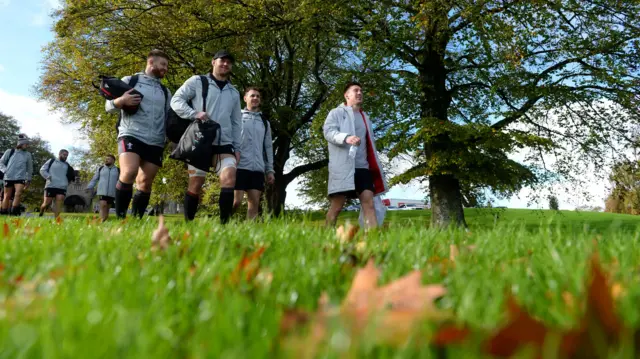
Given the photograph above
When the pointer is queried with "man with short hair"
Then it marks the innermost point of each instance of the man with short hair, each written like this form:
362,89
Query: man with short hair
141,134
222,106
354,168
256,155
17,166
106,178
58,173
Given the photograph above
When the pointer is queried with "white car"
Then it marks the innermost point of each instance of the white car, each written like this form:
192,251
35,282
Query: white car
409,207
392,208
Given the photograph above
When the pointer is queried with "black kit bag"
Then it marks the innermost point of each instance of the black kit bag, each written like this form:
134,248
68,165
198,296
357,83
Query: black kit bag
195,144
176,125
112,87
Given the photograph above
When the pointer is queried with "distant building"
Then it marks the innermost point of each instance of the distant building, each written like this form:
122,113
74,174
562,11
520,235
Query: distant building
397,202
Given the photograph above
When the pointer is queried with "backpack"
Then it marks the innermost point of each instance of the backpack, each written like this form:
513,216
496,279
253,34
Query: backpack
175,125
132,84
11,152
71,173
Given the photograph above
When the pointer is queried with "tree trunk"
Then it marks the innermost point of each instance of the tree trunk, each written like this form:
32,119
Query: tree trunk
446,201
276,196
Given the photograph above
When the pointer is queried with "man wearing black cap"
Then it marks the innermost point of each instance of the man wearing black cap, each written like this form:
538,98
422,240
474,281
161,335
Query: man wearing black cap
222,106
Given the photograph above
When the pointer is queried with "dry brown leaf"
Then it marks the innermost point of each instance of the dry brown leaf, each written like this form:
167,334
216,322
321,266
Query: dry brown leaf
617,290
5,231
248,265
454,251
392,310
160,238
345,233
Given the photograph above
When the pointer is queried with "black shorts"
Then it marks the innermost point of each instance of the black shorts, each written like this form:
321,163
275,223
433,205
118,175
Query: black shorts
11,184
148,153
224,149
248,180
109,200
53,192
363,180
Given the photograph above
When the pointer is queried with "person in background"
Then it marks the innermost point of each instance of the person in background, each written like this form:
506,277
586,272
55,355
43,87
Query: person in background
58,173
106,178
17,166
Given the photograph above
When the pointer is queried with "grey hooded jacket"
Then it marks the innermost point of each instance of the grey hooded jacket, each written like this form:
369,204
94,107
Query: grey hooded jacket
106,177
56,176
17,168
255,142
148,123
337,127
223,106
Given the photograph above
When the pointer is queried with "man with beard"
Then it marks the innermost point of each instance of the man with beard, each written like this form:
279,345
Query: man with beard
141,135
106,178
58,173
223,106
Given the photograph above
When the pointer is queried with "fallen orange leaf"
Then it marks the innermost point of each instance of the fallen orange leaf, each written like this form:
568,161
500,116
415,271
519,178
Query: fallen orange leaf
5,230
346,233
160,238
248,265
450,335
59,220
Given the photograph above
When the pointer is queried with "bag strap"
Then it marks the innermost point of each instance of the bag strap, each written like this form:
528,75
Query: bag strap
50,163
205,91
264,140
133,80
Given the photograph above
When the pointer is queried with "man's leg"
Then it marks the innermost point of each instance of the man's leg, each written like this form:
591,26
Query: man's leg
59,204
253,202
192,196
336,202
368,209
19,189
104,210
227,185
144,181
6,200
45,204
238,196
129,164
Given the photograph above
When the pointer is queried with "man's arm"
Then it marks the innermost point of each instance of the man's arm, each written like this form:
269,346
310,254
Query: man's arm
94,180
185,93
114,106
331,129
44,171
268,146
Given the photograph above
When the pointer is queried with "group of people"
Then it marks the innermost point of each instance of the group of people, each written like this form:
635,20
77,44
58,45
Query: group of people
16,168
243,154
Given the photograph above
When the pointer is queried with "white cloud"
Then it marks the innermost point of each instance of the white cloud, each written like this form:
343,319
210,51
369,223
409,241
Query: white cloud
35,118
42,18
4,3
1,68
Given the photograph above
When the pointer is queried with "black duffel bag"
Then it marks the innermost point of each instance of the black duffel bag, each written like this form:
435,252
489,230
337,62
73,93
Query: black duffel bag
196,140
112,87
196,145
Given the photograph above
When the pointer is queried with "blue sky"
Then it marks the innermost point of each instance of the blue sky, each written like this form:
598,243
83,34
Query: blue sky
25,27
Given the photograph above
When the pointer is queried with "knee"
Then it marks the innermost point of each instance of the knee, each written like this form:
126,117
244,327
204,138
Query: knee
128,176
195,185
228,177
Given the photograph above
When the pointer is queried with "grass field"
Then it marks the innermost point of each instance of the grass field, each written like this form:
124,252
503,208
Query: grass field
80,289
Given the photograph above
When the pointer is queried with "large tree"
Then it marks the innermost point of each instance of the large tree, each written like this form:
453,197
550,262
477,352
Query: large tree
477,80
287,48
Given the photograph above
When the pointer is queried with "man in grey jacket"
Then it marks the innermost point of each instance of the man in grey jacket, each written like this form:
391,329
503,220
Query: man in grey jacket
56,173
106,178
354,168
141,135
256,155
223,106
17,166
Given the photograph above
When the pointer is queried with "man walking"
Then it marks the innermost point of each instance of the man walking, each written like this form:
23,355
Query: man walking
256,155
17,166
354,167
141,134
58,173
222,106
106,178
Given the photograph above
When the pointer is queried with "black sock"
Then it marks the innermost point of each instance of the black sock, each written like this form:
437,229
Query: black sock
140,203
190,206
4,212
15,211
124,191
226,204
